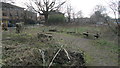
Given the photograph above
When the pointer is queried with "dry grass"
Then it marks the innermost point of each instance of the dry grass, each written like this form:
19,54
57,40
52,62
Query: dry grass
25,46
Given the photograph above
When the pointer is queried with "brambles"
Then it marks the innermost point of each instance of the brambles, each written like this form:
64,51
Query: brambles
31,57
23,49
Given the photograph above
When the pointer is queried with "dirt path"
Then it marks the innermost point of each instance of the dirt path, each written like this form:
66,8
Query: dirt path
96,56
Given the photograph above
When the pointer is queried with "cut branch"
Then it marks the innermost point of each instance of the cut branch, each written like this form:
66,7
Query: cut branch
54,57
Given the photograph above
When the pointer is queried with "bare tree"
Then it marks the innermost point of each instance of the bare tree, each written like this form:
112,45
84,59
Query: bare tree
73,16
29,8
100,8
8,1
69,11
113,5
79,14
98,15
44,7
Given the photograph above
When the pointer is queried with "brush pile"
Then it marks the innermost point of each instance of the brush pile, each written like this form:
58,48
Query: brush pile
26,56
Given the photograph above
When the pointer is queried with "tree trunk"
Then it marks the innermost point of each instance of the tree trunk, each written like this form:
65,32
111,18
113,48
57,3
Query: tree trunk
69,19
46,18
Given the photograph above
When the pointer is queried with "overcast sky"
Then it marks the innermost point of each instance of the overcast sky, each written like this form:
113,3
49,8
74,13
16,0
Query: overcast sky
86,6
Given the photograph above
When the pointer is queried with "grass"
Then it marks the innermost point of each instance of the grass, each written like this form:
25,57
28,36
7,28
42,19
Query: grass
24,43
79,29
88,59
18,38
102,43
28,37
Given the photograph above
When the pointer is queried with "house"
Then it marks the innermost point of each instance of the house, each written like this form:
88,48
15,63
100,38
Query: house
41,19
55,12
13,14
82,20
30,15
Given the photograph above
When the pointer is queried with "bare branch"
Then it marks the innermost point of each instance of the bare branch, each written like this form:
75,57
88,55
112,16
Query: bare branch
55,56
43,7
60,5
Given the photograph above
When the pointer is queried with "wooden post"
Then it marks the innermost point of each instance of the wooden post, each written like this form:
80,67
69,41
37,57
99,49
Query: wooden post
119,33
0,33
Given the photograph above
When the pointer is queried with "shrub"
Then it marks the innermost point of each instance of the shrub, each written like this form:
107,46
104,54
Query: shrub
29,21
56,19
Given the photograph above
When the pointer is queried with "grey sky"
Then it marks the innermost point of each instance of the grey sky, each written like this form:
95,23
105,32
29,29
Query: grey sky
85,5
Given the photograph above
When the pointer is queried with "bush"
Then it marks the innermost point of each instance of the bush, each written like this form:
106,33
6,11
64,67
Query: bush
29,21
56,19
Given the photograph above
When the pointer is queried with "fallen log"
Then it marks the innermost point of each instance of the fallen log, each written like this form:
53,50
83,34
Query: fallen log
44,36
71,32
53,30
86,34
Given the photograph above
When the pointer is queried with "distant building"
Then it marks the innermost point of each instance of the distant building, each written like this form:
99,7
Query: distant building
55,12
41,19
13,14
82,20
30,17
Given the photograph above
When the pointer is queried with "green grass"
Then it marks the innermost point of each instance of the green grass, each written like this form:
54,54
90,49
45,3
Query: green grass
101,43
88,59
83,29
19,38
29,36
79,30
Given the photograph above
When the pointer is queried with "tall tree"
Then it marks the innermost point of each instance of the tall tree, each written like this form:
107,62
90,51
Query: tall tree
73,16
8,1
79,14
114,6
99,13
100,8
44,7
69,11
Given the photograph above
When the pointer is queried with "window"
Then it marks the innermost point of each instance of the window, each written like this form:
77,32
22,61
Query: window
4,14
11,9
10,15
3,8
17,14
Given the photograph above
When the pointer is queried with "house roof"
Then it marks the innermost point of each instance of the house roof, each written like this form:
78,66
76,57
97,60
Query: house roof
8,5
54,12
